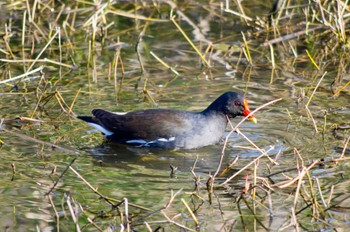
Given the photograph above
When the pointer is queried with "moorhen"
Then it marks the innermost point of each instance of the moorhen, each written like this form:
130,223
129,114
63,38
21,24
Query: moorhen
170,129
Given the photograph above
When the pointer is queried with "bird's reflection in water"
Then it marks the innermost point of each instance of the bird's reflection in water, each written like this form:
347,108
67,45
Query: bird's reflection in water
122,156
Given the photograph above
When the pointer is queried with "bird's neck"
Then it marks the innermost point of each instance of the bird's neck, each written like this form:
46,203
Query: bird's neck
219,115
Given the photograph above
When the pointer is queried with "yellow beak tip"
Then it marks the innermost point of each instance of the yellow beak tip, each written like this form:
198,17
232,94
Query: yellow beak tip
253,120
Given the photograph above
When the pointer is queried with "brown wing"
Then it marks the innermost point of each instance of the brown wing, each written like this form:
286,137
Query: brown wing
145,124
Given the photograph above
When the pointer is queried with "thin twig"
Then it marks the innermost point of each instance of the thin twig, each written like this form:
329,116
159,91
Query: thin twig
288,183
256,110
314,91
190,211
108,200
189,41
45,60
60,177
28,138
57,217
22,75
138,52
242,169
312,119
234,129
164,64
176,223
44,49
291,36
73,213
344,149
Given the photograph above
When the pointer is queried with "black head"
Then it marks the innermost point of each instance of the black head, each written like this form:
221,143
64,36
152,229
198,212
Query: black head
231,104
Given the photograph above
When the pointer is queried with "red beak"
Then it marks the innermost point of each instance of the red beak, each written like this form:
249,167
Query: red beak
247,111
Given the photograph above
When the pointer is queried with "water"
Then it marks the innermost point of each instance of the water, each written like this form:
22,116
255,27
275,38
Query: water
29,168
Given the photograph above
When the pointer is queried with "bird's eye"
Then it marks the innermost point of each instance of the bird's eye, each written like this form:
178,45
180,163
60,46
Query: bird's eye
237,103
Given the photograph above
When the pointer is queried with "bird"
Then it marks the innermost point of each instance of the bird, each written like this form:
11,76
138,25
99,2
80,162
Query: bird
168,128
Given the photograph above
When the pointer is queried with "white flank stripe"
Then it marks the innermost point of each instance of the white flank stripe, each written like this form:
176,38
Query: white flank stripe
120,113
140,141
101,129
166,140
144,143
